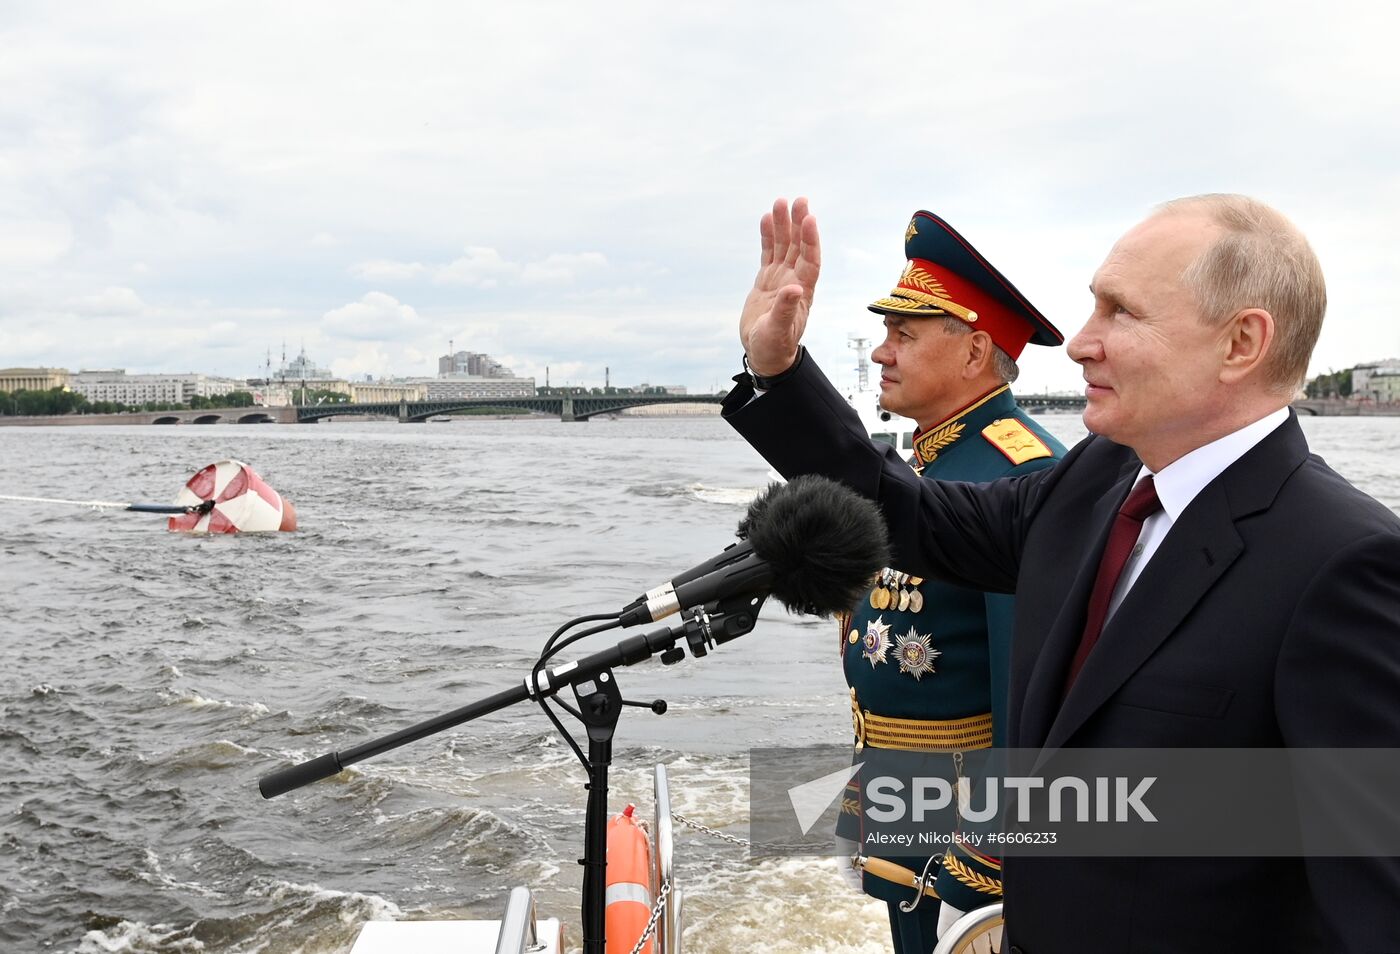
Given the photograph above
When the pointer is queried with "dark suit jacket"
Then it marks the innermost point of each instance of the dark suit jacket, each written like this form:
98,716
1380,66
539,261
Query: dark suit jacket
1269,616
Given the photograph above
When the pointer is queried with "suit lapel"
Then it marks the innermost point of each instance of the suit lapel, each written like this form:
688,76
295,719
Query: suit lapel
1197,551
1199,548
1051,661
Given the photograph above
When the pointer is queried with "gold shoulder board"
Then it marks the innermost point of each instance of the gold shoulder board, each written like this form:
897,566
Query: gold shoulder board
1016,441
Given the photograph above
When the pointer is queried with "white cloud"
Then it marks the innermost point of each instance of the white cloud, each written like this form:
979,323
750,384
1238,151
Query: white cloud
30,244
420,361
109,301
384,271
559,268
368,358
166,336
620,293
375,317
485,268
478,266
559,373
482,267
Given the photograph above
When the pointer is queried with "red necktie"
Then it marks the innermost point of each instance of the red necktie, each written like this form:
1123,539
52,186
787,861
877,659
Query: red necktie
1141,504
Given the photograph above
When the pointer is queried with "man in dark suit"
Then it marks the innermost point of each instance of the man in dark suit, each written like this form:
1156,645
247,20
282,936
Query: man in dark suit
1187,576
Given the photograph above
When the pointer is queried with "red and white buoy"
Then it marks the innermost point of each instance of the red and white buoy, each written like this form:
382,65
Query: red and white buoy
242,502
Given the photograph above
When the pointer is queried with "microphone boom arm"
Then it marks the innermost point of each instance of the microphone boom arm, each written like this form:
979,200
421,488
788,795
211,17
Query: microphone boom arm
702,628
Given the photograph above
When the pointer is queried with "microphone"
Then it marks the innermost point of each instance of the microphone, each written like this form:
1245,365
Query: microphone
812,543
734,553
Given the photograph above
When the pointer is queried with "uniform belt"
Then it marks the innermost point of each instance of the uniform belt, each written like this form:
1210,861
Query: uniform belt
920,735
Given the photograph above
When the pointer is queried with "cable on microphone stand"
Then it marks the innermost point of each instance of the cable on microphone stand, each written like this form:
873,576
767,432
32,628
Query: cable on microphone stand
610,621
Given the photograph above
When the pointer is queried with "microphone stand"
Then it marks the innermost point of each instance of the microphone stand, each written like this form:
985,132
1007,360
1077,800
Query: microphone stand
600,704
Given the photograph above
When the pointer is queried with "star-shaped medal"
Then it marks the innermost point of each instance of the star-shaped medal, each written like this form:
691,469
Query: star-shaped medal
915,654
876,644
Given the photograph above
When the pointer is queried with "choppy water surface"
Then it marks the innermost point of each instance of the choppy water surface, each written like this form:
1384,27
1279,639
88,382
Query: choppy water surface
151,678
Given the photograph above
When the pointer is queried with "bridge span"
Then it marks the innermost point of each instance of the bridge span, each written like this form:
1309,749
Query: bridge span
1036,403
214,415
568,407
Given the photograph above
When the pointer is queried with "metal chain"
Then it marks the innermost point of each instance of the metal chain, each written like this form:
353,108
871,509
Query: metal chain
656,910
741,842
690,823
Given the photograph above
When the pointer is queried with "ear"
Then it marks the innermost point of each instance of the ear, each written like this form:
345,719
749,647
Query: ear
1248,337
978,354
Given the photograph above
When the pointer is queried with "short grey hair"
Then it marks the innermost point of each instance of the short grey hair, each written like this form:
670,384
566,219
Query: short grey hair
1262,261
1002,363
1006,366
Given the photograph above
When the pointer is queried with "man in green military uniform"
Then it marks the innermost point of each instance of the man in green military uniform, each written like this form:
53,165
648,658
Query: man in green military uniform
926,661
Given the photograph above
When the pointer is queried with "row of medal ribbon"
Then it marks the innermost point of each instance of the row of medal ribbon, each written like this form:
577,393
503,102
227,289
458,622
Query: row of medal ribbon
890,592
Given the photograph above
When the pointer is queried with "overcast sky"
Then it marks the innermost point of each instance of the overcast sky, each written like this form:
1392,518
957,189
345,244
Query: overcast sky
184,186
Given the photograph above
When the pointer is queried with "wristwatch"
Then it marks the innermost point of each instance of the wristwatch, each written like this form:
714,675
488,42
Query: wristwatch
761,383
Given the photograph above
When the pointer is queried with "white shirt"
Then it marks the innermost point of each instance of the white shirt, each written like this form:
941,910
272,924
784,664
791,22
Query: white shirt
1178,484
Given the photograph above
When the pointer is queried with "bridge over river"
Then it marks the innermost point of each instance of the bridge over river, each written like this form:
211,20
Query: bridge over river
582,407
568,407
1036,403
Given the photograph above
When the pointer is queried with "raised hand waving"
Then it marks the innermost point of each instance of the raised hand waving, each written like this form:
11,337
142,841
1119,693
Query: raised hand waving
775,313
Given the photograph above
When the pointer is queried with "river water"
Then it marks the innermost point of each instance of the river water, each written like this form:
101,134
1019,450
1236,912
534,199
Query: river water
151,678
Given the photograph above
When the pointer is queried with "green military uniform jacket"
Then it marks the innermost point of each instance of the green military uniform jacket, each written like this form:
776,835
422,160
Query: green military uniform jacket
927,662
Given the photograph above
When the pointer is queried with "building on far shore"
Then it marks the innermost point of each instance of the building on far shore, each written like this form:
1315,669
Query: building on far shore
380,392
468,374
474,386
673,410
34,379
473,364
114,384
275,393
301,368
1376,381
668,410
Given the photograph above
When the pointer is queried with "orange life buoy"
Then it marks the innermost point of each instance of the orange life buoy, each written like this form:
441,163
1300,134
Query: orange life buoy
628,883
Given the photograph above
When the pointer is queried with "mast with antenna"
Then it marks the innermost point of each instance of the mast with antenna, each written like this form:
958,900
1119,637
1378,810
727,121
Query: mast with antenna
861,346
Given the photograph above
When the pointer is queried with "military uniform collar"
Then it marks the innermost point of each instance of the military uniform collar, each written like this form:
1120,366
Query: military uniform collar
936,440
